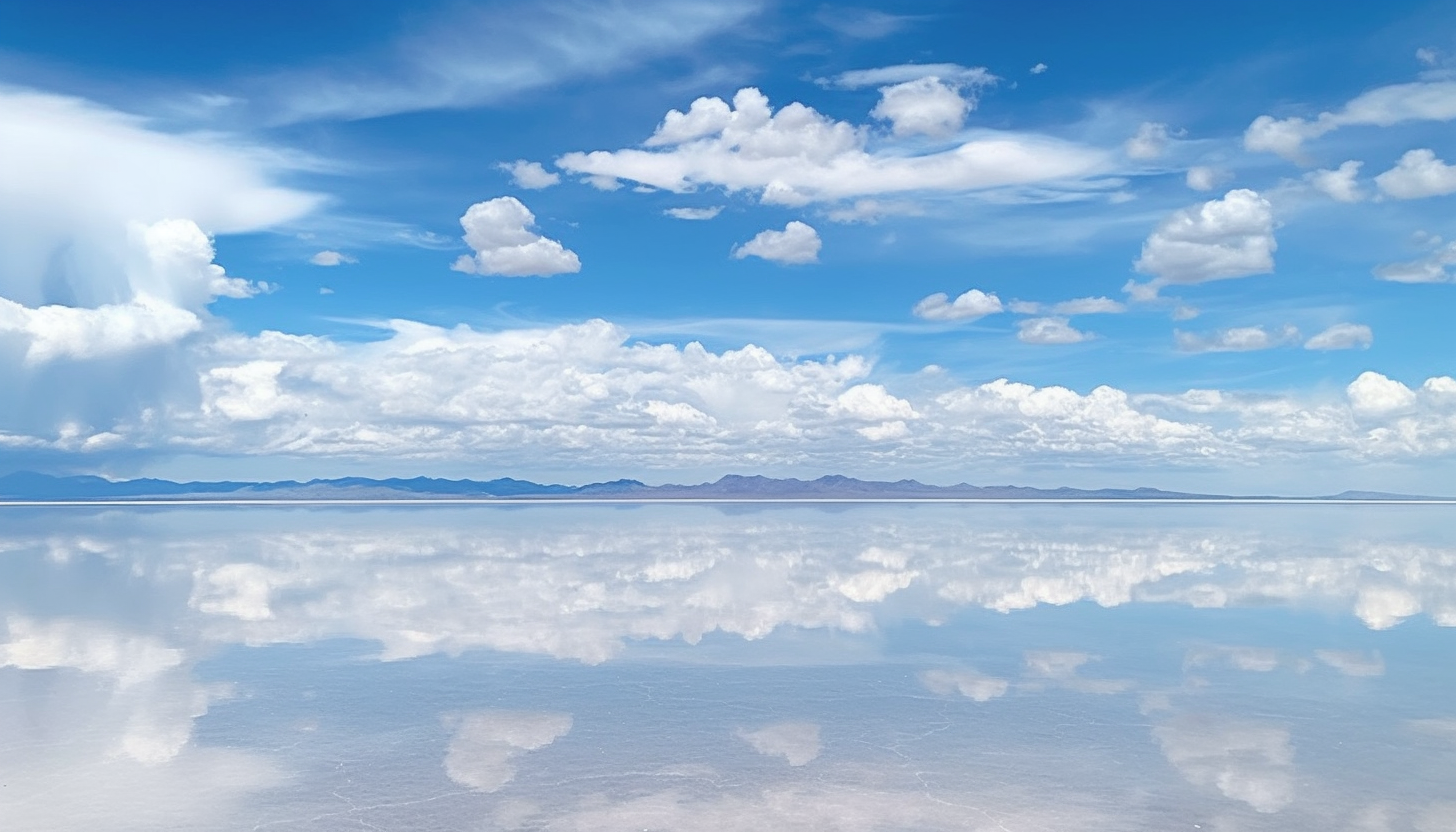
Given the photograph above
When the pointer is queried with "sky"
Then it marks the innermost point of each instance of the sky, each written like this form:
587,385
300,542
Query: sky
1125,245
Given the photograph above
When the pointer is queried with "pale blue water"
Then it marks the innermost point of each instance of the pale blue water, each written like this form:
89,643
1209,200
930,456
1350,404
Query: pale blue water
695,667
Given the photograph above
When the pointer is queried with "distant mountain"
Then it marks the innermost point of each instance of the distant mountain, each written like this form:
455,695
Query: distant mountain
26,486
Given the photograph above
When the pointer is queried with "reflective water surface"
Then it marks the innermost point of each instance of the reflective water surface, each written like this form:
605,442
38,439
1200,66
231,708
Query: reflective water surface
1025,667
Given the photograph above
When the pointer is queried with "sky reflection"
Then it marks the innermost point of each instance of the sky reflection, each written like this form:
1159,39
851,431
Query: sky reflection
669,667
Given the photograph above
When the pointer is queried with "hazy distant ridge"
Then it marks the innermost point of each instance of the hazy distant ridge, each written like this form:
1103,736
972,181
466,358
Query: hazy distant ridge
27,486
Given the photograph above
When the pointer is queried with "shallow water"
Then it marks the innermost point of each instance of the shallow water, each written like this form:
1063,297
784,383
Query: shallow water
860,667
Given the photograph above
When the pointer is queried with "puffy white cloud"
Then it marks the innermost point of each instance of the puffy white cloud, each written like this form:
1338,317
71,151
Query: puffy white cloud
1201,178
1433,268
925,106
872,403
796,155
1049,331
796,742
1149,142
968,306
1248,761
499,231
1038,69
1373,393
797,244
55,332
967,683
529,175
694,213
1382,107
92,190
486,743
1238,339
1342,337
1222,238
1338,184
1418,174
332,258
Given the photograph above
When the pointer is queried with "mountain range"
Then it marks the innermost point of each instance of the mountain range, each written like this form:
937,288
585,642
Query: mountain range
29,486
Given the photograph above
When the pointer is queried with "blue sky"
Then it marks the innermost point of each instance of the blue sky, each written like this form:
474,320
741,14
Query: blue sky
1054,244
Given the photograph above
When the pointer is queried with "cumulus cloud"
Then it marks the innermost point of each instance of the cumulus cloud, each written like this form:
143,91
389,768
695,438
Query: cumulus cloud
797,244
1237,339
331,258
796,156
968,306
499,231
694,213
1338,184
529,175
1038,69
1418,174
796,742
1342,337
105,196
1245,760
1433,268
1049,331
1381,107
925,106
1149,142
1373,393
54,332
486,743
967,683
1219,239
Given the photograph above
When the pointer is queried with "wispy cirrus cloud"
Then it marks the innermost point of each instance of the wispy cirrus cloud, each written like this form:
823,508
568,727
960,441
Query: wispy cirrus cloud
473,55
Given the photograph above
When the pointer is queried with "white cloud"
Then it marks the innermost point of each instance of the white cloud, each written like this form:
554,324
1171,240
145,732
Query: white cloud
968,683
1049,331
1418,174
1200,178
1342,337
1183,312
529,175
1433,268
1381,107
485,744
469,56
1149,142
1222,238
968,306
90,648
1383,607
1338,184
1038,69
54,332
1237,339
796,155
100,193
926,106
1353,662
694,213
331,258
1088,306
1373,393
872,403
1248,761
796,742
499,230
797,244
972,76
1427,56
